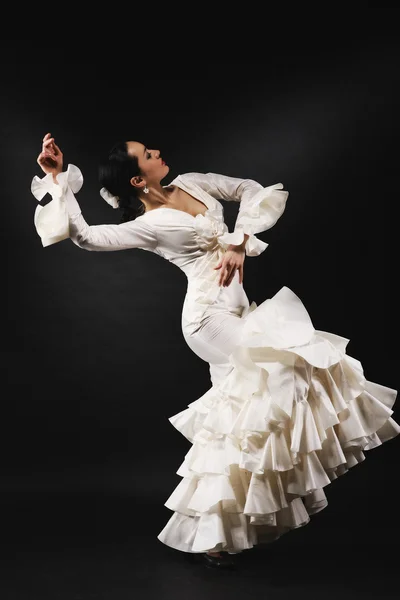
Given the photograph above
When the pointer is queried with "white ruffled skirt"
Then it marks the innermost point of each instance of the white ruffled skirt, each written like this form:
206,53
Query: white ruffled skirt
292,413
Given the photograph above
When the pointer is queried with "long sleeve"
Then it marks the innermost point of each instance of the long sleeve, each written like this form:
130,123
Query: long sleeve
62,218
260,207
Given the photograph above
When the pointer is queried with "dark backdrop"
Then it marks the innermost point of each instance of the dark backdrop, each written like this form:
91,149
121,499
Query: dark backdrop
93,354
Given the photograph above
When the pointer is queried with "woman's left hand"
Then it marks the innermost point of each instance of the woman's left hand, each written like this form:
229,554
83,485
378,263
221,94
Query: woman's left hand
50,159
231,262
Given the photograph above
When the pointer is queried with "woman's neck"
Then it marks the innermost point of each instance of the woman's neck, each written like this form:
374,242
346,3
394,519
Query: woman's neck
156,197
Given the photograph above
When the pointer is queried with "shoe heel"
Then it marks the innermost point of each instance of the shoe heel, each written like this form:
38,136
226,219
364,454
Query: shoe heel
218,562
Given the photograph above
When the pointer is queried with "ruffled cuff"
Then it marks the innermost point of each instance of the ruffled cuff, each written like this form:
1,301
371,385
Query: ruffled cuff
52,220
262,211
253,246
256,214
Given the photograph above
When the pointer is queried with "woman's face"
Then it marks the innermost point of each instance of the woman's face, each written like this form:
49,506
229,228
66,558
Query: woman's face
152,167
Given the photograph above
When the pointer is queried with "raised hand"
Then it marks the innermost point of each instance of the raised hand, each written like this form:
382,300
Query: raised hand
50,160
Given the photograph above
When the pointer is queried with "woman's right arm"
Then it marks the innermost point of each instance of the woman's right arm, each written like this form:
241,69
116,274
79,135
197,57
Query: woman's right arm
62,217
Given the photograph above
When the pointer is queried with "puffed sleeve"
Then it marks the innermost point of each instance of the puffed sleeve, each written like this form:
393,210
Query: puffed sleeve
260,207
62,218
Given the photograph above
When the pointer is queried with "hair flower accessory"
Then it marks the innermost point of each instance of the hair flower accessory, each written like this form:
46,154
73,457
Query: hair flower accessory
109,198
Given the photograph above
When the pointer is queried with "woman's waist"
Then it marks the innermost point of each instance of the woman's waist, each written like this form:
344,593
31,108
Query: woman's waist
202,300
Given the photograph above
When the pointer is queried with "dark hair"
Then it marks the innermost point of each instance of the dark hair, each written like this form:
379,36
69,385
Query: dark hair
115,176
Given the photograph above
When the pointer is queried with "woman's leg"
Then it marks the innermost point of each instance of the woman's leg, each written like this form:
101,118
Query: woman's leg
213,343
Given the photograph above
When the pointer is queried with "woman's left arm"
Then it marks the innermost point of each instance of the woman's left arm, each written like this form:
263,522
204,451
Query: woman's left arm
260,207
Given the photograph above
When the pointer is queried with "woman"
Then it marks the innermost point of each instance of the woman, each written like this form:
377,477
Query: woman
288,411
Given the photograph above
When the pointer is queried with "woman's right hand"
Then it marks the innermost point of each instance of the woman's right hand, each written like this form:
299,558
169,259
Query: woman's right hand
50,160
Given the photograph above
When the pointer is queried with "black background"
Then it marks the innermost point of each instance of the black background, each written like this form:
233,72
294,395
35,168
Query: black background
93,354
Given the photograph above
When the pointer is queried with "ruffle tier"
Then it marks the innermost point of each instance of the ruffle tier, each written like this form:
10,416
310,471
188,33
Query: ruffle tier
294,413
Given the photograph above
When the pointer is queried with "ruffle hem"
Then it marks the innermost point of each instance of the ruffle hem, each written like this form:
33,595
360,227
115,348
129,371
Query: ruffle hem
294,413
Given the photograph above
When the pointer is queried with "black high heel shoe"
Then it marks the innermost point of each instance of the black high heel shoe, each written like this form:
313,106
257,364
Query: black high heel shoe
219,562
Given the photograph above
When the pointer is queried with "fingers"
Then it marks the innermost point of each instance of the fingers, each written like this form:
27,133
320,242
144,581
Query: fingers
50,158
41,158
47,152
50,152
48,148
227,276
229,268
48,142
241,274
46,159
56,149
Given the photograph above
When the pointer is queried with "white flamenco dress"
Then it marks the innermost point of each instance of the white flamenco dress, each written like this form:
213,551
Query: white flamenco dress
288,410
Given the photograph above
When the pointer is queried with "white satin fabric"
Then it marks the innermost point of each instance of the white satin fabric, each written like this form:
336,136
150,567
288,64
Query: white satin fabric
52,220
288,410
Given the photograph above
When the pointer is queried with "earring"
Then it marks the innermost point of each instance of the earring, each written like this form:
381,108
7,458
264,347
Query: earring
146,189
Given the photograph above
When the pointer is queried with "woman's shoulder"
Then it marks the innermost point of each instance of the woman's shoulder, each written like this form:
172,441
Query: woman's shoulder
193,177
